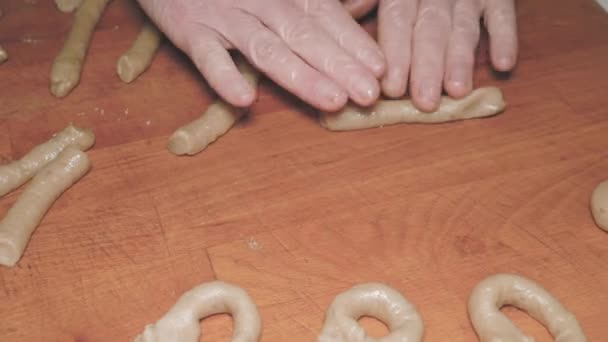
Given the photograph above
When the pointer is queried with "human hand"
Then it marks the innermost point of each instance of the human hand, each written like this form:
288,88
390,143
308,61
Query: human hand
434,41
312,48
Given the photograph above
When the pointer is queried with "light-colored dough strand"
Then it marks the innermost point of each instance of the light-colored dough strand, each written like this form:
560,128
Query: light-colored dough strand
67,6
480,103
36,199
3,55
139,56
499,290
599,205
182,322
16,173
67,66
215,122
375,300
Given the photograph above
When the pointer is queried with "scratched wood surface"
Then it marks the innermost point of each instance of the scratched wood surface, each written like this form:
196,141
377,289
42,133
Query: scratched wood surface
296,214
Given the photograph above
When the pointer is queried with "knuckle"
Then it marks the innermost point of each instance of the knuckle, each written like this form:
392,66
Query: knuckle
298,32
263,48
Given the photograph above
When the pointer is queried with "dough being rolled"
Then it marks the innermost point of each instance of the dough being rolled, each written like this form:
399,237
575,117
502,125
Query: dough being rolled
216,121
139,56
599,205
25,215
67,5
481,102
182,322
14,174
67,66
375,300
499,290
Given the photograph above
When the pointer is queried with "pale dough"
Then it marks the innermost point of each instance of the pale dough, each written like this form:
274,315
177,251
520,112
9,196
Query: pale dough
499,290
481,102
376,300
67,66
599,205
67,5
16,173
182,322
3,55
139,56
36,199
216,121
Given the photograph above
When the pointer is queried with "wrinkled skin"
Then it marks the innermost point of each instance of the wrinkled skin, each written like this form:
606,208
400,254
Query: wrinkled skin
316,50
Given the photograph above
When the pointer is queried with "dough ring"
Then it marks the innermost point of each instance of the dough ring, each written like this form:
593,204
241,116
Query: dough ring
375,300
480,103
499,290
599,205
181,322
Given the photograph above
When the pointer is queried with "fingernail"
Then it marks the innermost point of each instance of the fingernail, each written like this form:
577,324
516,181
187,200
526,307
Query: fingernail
395,83
458,78
330,93
365,89
504,63
427,93
374,60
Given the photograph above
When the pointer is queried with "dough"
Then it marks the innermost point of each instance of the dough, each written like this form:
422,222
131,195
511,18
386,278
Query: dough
67,66
481,102
182,322
507,289
599,205
14,174
216,121
22,219
67,5
376,300
139,56
3,55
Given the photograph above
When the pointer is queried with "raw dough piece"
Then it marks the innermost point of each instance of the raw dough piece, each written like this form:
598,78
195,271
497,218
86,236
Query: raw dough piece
375,300
216,121
481,102
3,55
499,290
22,219
68,5
182,322
139,56
14,174
599,205
66,69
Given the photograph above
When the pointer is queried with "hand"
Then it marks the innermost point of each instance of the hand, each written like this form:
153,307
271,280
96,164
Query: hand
312,48
435,41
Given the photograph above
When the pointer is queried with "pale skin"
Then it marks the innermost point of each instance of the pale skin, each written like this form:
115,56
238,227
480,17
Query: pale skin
316,50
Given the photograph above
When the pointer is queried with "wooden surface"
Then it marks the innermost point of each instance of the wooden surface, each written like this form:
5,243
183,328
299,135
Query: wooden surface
296,214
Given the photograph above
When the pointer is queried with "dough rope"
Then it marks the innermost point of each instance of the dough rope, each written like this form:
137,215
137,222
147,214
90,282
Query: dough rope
67,6
67,66
599,205
215,122
3,53
139,56
181,322
480,103
376,300
506,289
14,174
25,215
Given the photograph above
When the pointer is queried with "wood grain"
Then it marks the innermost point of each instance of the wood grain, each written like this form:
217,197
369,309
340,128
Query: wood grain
294,213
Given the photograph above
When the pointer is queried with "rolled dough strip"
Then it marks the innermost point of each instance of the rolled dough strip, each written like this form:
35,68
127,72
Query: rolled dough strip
139,56
3,55
375,300
68,5
507,289
181,322
36,199
66,69
599,205
216,121
481,102
14,174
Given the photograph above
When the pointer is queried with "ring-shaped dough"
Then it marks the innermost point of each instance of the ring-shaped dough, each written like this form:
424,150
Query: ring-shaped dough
496,291
374,300
182,322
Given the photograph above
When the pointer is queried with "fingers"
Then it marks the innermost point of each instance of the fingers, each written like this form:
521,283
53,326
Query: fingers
359,8
501,22
395,24
430,39
460,58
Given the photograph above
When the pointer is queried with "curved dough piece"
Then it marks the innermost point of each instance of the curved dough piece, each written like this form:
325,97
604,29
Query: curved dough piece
181,322
139,56
14,174
599,205
3,55
499,290
67,66
68,6
216,121
25,215
481,102
375,300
